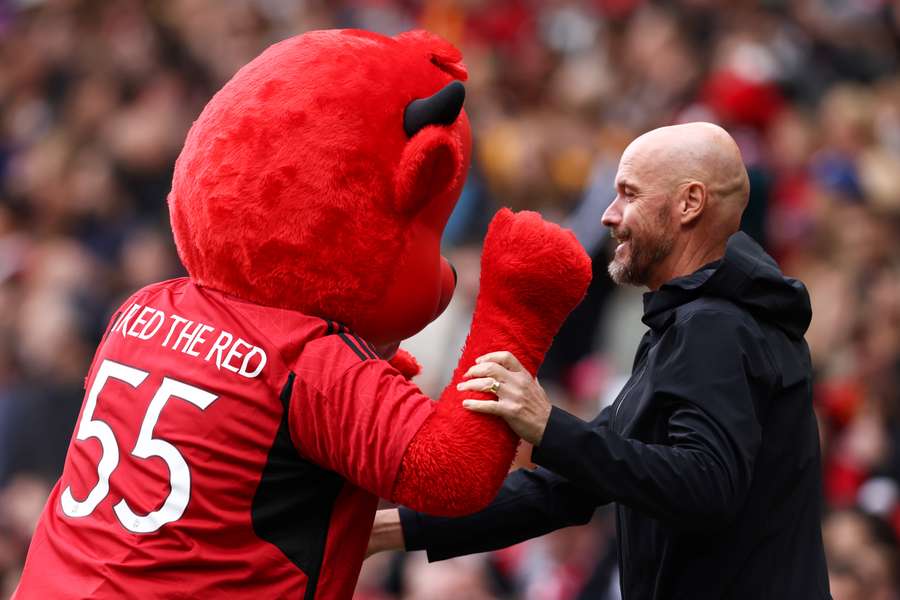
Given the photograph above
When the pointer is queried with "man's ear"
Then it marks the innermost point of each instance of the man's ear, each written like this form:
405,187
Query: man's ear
694,197
429,166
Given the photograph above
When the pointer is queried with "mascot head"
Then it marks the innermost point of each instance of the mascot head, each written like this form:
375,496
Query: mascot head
320,179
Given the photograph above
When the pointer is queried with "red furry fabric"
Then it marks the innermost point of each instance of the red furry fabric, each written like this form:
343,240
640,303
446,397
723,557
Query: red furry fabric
298,188
533,274
406,363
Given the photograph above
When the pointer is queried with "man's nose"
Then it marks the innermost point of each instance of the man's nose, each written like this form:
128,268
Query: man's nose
612,216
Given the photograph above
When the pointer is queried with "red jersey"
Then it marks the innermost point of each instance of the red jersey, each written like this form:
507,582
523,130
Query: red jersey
224,449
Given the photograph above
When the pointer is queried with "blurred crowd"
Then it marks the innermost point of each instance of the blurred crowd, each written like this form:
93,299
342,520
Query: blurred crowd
96,97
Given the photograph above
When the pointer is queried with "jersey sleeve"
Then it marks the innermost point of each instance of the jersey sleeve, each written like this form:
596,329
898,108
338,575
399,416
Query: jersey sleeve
354,413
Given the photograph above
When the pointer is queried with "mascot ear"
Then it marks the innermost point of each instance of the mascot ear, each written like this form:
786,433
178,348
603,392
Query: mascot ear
430,165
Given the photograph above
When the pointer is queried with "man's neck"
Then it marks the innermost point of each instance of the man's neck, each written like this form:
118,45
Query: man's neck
684,262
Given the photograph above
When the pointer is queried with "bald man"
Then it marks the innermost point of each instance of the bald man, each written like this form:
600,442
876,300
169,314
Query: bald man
711,450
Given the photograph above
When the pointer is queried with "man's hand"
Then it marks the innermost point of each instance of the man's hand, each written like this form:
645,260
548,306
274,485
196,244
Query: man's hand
521,401
387,533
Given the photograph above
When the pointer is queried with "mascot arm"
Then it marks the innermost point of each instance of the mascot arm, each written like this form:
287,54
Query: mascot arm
533,274
360,417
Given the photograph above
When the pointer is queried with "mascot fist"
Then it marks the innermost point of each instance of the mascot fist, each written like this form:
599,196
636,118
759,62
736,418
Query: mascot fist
533,273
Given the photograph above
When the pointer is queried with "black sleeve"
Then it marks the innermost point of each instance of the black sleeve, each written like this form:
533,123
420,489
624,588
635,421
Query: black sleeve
530,504
706,376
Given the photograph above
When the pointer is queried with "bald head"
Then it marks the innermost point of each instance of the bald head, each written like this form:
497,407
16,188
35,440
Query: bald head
705,153
681,192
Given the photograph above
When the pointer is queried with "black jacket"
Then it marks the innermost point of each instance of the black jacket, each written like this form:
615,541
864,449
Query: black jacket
711,450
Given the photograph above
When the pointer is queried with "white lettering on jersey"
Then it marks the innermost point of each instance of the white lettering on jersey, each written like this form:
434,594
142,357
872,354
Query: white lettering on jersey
176,321
221,343
234,354
122,325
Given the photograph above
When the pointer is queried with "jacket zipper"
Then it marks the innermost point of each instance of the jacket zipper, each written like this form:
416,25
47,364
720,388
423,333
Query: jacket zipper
626,546
628,389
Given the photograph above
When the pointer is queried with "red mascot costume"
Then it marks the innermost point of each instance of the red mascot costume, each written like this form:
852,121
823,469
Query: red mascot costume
240,424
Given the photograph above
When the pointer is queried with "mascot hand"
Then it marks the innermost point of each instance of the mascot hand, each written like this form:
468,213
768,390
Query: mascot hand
533,273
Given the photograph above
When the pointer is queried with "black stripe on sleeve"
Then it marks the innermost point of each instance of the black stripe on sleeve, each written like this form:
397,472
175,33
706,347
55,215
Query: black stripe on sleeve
364,346
372,348
352,346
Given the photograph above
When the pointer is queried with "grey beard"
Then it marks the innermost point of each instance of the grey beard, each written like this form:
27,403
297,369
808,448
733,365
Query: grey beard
620,273
636,271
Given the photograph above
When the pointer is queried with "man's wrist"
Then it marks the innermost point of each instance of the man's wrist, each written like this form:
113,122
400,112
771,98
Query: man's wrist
387,532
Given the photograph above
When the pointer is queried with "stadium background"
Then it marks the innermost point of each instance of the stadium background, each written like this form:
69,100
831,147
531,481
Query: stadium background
96,97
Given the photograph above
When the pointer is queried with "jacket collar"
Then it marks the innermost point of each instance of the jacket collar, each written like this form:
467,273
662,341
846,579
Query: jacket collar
732,271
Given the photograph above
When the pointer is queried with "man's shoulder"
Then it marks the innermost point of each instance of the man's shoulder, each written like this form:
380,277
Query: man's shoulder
713,319
707,310
723,324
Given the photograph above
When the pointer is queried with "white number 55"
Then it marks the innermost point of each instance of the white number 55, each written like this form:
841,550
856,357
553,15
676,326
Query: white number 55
146,447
